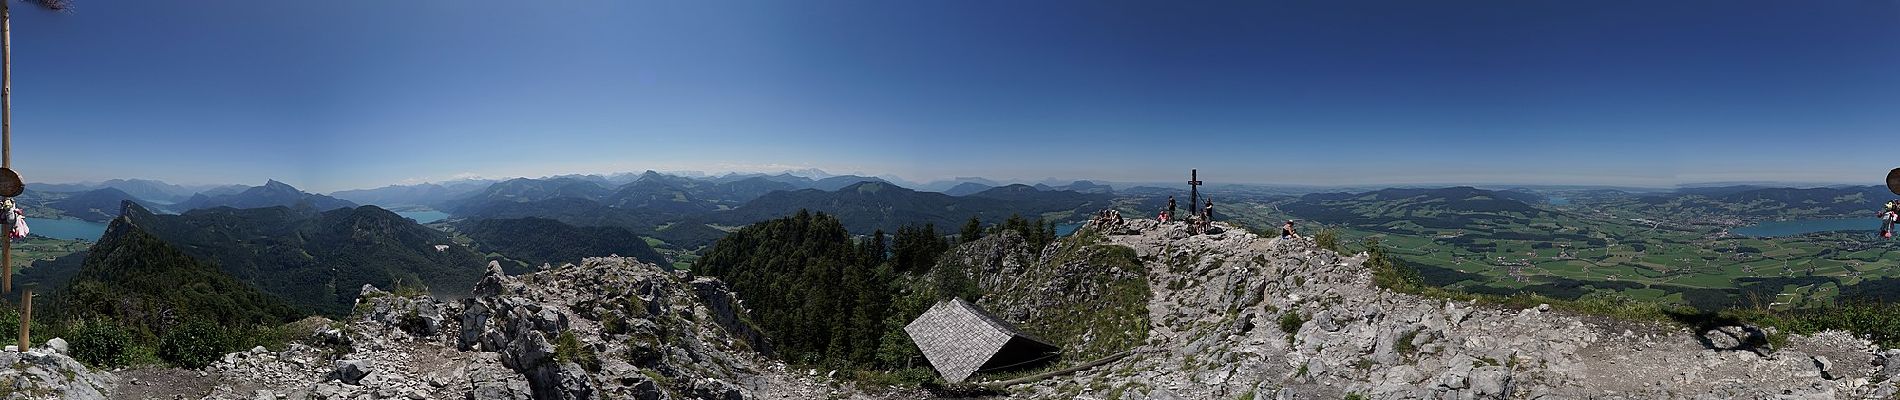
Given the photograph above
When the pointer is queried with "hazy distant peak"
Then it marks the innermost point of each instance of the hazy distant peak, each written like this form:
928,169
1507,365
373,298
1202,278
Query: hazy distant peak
811,173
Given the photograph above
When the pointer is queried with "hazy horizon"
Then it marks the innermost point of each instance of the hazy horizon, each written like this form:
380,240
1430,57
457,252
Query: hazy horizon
330,96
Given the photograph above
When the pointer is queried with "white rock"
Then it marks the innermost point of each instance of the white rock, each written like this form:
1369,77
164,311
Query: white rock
58,345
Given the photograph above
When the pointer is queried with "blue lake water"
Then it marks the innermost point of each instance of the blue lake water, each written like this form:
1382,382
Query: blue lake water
423,217
1806,226
1068,228
67,228
1559,201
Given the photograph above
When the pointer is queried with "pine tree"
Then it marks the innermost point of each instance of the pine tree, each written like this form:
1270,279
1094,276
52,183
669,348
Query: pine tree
972,231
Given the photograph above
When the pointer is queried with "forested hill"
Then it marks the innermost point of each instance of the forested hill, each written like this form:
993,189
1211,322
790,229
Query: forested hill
134,278
537,241
317,260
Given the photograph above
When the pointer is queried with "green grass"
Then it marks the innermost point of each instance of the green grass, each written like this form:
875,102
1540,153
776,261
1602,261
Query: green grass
1404,343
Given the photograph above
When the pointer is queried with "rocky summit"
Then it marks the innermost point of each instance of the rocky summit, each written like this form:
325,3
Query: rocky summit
1228,315
608,328
1235,315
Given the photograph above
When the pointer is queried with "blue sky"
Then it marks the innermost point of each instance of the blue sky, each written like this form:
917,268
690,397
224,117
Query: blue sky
349,94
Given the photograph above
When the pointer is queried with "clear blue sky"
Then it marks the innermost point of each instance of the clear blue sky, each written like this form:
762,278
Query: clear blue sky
347,94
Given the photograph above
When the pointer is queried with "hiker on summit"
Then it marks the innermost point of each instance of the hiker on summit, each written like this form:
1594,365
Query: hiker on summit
1286,231
1207,214
1170,214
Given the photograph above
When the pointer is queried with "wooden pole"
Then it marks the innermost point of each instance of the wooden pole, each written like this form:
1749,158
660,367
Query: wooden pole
26,317
6,131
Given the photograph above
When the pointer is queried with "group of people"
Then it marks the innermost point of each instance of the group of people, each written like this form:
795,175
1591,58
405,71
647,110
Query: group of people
1206,214
1206,218
1109,216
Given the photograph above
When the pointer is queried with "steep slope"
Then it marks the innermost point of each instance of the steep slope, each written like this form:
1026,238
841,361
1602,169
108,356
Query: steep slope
1237,315
1081,293
538,241
316,260
272,194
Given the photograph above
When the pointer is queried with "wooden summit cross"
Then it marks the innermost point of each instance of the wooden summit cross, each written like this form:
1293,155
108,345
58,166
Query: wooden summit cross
1194,189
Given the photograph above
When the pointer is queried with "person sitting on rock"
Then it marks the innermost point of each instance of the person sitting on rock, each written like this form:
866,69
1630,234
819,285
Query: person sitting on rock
1171,209
1286,231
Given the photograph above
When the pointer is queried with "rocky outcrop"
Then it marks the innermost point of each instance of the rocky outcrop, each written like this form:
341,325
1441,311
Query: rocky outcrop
42,373
1237,315
608,328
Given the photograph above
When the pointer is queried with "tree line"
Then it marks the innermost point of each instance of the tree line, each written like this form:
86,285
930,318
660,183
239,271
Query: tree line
829,298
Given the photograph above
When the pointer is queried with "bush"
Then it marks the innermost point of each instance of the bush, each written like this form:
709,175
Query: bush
193,345
102,344
1389,273
568,348
1291,321
1327,239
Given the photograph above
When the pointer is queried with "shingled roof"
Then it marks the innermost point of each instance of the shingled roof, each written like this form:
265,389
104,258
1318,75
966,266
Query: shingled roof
959,340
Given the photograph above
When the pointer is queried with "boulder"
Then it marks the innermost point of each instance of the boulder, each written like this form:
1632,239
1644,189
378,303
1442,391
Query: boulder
1492,382
490,380
1890,363
563,381
58,345
496,282
351,371
527,351
1735,337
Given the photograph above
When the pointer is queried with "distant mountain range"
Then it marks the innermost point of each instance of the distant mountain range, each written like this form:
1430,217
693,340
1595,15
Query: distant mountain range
1755,201
425,194
142,189
966,188
870,206
97,205
1446,208
272,194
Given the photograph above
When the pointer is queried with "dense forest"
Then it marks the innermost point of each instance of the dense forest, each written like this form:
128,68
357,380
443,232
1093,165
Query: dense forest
537,241
828,298
313,260
137,295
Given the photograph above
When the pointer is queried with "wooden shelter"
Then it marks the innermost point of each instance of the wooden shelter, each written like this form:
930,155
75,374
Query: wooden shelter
960,340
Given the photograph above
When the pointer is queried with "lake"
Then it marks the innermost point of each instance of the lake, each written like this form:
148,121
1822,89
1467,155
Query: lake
423,217
1806,226
1559,201
1067,228
67,228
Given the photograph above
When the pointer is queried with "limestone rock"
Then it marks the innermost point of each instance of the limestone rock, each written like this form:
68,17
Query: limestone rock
352,371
